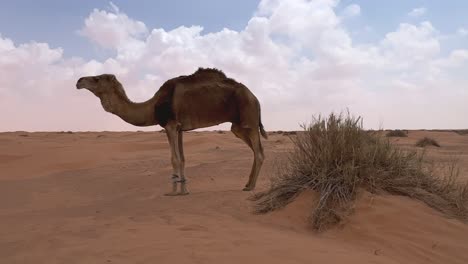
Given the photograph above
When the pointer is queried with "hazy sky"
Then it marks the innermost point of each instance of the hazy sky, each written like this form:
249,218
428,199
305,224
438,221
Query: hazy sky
399,64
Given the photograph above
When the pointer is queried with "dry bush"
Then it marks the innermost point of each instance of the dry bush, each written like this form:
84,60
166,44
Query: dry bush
65,132
427,141
289,133
461,132
397,133
335,157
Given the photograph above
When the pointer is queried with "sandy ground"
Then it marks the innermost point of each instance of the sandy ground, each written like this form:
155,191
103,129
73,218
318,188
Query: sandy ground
98,198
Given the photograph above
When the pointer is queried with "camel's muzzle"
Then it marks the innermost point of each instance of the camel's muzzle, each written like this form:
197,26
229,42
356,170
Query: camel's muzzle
79,84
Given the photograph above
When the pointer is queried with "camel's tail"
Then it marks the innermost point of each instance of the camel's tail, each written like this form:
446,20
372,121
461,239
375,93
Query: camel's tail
262,130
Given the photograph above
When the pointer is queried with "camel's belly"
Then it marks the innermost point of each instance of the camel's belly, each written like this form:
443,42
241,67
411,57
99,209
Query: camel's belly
197,108
194,117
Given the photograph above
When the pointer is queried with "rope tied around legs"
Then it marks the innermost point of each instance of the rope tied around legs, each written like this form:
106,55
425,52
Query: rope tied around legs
183,189
175,179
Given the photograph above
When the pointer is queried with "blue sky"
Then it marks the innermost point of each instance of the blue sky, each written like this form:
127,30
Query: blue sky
400,64
56,22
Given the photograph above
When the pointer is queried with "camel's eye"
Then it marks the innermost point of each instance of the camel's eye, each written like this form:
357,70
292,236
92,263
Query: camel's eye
95,79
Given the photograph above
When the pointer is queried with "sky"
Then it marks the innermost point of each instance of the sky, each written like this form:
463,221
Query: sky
399,64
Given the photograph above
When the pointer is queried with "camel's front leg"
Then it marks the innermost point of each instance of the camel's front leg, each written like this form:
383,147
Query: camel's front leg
175,168
174,135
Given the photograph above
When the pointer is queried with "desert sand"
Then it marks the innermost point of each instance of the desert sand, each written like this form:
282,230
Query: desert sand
97,197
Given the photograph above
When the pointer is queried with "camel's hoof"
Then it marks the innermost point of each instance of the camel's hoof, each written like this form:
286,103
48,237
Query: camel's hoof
246,189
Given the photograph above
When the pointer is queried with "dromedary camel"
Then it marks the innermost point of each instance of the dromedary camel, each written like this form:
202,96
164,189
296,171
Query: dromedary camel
202,99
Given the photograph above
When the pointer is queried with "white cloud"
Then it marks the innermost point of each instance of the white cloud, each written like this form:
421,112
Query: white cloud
411,43
462,32
417,12
352,10
114,29
456,59
298,58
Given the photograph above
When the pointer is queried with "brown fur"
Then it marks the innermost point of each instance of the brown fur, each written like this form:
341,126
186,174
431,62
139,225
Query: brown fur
205,98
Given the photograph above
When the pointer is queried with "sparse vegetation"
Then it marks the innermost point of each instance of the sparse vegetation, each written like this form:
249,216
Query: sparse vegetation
397,133
458,131
427,141
289,133
65,132
461,132
275,132
336,158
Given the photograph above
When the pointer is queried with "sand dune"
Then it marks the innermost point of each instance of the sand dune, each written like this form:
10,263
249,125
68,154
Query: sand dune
98,198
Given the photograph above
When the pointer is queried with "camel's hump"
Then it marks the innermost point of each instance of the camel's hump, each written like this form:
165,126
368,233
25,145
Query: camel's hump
209,71
202,75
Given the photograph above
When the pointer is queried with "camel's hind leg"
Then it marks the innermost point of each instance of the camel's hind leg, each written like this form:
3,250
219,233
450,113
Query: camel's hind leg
183,187
252,138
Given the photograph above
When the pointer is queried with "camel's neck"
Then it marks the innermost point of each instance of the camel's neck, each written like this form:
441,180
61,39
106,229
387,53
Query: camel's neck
138,114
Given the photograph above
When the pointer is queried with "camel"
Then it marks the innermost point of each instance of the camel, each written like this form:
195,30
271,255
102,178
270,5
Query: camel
202,99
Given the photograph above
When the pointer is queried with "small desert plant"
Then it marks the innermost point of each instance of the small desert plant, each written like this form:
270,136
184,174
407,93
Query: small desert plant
397,133
65,132
335,158
289,133
461,132
427,141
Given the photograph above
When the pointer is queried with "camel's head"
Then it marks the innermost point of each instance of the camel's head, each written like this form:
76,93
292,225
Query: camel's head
99,85
104,86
